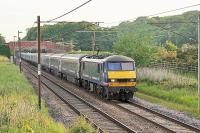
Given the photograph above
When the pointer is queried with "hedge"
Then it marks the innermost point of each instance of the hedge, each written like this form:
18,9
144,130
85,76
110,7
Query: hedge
5,51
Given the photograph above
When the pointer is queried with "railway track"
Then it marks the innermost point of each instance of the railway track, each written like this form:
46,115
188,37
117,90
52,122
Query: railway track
169,124
157,118
99,119
162,119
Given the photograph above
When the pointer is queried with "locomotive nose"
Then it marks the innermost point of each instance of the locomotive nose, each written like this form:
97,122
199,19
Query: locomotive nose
122,78
121,74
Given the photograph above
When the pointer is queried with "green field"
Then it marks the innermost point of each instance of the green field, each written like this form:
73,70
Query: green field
169,89
18,106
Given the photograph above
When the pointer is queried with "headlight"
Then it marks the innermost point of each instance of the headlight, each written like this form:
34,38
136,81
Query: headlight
132,80
113,80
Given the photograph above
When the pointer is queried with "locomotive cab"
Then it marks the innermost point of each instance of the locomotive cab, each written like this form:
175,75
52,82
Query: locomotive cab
120,77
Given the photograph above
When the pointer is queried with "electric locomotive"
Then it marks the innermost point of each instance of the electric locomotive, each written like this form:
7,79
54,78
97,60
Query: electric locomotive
112,77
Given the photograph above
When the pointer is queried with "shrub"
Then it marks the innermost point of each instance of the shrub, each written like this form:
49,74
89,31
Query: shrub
81,126
170,46
5,51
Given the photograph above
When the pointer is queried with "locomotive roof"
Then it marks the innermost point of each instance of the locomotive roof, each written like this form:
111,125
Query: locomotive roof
110,58
118,58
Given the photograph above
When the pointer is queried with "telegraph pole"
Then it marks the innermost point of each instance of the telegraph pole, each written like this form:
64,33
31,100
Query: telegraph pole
14,50
94,37
19,44
199,63
39,66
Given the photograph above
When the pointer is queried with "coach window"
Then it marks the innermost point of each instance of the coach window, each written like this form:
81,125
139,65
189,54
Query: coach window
98,71
83,65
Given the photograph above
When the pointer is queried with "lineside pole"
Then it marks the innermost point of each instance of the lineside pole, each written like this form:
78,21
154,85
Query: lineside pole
39,66
199,63
20,59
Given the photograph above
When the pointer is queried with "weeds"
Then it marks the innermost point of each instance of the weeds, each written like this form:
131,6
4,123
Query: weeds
81,126
3,59
18,105
166,78
179,91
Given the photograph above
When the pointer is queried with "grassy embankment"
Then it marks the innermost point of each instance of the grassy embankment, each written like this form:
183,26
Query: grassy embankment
18,106
169,89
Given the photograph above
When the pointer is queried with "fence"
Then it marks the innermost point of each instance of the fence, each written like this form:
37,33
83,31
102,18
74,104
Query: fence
174,66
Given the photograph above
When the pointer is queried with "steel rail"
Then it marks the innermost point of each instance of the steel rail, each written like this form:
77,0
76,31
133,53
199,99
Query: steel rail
186,125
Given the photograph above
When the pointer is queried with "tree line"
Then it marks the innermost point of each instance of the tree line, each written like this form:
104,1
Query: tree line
144,39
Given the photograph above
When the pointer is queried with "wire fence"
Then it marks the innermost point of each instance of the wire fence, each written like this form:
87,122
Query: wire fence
174,66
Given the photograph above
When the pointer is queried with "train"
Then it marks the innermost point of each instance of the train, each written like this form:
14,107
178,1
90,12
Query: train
112,77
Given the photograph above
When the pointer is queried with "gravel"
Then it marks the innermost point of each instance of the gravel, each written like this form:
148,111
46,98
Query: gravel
182,116
137,123
58,110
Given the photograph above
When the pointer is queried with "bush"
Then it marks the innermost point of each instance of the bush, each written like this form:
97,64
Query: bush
81,126
170,46
5,51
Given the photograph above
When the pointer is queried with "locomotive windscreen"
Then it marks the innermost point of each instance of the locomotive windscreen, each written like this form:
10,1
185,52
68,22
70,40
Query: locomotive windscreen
117,66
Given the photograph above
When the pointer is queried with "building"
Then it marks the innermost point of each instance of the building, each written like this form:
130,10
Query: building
46,46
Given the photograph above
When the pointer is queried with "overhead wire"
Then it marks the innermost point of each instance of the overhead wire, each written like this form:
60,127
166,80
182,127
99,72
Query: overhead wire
180,34
151,15
69,11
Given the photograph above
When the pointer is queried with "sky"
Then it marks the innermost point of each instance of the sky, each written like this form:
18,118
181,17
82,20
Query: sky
21,14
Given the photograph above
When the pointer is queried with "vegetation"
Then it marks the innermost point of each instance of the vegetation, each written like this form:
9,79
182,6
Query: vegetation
145,25
3,59
166,78
2,40
81,126
139,49
180,92
5,51
68,32
18,105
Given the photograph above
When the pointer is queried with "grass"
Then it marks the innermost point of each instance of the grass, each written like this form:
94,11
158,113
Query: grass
166,78
169,89
168,104
3,59
18,106
81,126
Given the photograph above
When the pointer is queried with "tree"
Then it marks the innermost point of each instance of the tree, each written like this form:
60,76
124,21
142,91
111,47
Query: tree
139,49
2,40
68,31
